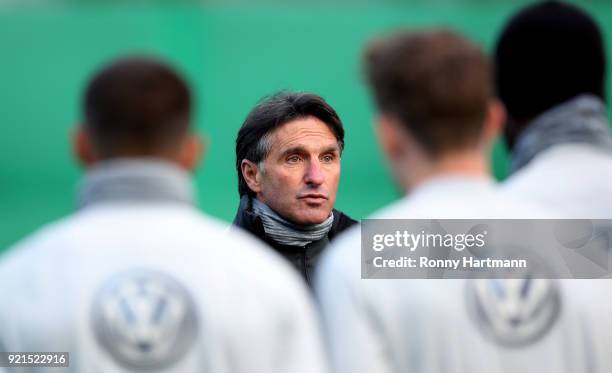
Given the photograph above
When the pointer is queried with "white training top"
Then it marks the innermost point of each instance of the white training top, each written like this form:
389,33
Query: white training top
457,326
131,286
573,179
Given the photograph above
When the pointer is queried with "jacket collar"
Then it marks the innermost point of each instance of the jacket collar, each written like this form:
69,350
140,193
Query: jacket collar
249,221
135,180
579,120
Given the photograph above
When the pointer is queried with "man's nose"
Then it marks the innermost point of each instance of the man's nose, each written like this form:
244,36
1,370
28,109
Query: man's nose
314,173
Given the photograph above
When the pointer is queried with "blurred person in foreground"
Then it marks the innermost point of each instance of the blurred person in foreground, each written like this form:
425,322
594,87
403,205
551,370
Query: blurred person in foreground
138,279
288,154
550,73
437,120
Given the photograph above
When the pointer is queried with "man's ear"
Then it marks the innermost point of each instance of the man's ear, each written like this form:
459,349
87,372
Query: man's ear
82,147
251,174
494,122
191,152
390,137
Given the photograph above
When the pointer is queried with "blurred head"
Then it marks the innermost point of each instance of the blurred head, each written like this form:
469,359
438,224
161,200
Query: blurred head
546,54
288,156
135,108
433,91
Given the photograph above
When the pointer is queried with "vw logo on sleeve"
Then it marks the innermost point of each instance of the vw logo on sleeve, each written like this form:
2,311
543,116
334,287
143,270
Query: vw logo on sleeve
145,319
513,312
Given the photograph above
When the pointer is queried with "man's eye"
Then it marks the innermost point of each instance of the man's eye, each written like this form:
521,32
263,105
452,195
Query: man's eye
293,159
328,158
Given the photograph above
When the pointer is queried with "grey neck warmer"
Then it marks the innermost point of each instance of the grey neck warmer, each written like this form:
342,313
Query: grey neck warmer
135,180
287,233
579,120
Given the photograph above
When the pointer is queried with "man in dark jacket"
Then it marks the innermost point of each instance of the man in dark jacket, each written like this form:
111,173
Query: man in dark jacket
288,162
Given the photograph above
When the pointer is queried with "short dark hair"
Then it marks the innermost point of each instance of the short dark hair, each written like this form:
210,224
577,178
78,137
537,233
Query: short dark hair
136,106
435,83
546,54
253,140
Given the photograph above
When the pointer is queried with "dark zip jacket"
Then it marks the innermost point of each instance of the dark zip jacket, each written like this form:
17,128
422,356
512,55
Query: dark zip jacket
303,258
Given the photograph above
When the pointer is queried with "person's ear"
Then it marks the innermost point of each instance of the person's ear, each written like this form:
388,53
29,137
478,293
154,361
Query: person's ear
83,147
251,174
389,137
494,121
192,151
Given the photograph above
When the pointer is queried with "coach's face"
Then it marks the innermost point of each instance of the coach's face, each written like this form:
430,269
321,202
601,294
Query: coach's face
300,176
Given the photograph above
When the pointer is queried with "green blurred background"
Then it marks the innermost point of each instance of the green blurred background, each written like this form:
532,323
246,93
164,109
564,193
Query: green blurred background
233,54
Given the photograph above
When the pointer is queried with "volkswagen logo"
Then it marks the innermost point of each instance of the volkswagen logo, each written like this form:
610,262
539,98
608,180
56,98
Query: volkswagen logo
513,312
145,319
